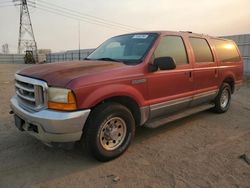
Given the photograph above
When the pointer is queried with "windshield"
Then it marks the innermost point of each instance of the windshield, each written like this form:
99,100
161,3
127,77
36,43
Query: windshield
129,48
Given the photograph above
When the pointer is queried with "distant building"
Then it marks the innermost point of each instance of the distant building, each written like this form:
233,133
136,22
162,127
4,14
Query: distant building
243,42
42,54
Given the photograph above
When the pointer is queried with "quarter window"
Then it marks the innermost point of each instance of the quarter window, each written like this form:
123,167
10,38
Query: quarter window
202,51
172,46
226,50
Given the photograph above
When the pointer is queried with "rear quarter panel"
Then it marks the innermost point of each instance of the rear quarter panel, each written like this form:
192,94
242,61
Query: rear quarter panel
233,70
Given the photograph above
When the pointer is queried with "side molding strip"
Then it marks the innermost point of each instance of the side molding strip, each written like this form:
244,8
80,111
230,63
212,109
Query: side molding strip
146,110
182,100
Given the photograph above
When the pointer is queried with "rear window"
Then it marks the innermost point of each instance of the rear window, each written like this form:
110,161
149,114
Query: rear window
226,50
202,51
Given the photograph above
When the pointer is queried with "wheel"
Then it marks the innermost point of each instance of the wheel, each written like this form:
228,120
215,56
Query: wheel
223,99
109,131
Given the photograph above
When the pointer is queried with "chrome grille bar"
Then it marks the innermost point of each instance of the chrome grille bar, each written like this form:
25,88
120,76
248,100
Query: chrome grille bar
25,97
24,88
32,93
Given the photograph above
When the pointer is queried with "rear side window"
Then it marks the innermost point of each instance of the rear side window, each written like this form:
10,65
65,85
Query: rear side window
202,51
172,46
226,50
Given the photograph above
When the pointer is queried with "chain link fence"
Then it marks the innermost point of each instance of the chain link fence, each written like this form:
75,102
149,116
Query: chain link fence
68,55
12,58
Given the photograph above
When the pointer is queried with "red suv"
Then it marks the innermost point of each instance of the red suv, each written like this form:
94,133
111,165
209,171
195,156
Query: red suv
139,79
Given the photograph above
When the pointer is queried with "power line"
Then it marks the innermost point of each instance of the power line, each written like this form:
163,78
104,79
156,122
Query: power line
79,16
86,20
90,16
74,18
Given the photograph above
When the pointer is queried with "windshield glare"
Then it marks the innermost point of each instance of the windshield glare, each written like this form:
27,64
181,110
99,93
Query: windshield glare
126,48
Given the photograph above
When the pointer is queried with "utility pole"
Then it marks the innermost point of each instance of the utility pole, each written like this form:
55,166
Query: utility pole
79,39
26,40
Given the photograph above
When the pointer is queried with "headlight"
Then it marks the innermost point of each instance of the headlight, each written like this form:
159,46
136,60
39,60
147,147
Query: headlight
61,99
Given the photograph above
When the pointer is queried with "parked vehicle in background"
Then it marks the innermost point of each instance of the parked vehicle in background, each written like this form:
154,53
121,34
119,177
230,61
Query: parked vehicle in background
139,79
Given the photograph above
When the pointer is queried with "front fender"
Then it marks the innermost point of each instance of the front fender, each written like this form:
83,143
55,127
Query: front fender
94,96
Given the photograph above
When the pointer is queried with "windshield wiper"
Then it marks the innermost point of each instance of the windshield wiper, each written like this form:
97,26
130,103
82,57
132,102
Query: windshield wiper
109,59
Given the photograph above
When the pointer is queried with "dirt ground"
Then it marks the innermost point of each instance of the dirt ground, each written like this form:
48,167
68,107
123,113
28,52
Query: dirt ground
198,151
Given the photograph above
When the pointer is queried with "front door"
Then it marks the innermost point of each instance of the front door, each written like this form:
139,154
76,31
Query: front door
170,90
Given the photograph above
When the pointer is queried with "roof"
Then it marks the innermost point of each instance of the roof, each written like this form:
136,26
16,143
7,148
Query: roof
162,32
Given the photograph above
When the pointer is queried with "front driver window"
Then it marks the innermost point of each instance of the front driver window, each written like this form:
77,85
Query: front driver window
172,46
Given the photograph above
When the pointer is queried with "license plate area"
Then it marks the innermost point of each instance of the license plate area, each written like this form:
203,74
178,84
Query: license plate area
19,122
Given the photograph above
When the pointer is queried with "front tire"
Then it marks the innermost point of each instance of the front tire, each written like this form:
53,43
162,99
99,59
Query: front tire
223,99
109,131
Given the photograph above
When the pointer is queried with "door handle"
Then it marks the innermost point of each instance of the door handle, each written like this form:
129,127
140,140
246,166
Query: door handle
216,72
189,73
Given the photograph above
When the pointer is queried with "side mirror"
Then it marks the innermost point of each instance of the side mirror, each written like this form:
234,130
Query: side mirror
163,63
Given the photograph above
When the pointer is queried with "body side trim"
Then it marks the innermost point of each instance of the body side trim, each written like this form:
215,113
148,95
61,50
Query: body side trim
151,111
181,100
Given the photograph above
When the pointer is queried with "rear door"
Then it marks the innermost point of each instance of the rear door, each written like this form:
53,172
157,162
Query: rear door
205,71
170,90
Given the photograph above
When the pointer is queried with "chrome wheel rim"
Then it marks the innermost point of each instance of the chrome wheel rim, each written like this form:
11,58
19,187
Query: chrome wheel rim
224,98
112,133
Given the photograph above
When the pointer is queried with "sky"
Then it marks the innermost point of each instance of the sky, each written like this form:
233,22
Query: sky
58,33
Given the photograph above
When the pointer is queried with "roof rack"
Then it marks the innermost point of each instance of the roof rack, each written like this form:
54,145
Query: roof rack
186,31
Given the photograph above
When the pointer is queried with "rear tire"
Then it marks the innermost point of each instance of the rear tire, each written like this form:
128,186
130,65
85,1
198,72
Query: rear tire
109,131
223,99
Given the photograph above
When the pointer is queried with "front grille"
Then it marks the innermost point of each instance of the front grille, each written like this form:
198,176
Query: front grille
31,93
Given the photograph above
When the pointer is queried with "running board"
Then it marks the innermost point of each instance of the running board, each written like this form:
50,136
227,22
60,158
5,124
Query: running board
154,123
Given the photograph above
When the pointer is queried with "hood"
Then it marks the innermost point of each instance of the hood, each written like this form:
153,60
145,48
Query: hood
60,74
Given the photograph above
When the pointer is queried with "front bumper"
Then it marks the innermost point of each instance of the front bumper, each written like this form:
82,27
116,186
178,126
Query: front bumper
51,126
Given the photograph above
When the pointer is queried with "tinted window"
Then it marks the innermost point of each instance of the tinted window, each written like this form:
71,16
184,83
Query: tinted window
202,51
172,46
226,50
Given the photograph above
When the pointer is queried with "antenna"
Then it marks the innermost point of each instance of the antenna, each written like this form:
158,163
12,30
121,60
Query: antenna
26,40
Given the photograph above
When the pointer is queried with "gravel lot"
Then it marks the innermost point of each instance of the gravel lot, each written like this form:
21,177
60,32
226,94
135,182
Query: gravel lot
198,151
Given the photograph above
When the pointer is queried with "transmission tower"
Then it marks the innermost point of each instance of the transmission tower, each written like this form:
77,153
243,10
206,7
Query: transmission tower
26,40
